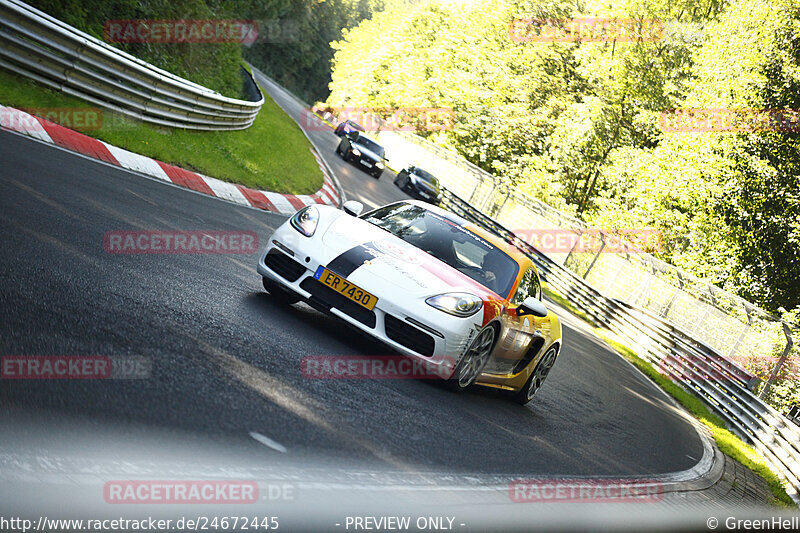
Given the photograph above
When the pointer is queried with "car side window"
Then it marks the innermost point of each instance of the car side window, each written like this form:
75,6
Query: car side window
528,286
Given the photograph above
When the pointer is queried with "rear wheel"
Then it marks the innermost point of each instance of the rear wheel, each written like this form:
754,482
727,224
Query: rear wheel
537,378
476,357
279,293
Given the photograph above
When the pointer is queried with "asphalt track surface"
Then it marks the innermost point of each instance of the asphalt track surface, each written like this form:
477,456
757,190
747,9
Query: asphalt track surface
226,357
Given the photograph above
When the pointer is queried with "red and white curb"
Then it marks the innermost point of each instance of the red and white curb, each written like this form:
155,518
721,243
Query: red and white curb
21,122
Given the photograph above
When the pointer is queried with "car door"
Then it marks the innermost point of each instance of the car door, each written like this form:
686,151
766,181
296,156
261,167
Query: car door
523,336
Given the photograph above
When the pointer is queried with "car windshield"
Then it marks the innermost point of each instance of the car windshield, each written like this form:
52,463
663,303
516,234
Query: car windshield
427,176
370,145
447,241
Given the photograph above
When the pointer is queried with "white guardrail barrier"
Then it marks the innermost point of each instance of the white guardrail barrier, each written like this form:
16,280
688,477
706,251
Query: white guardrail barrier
40,47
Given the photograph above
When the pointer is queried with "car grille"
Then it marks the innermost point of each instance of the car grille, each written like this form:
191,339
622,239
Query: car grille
324,296
407,335
284,266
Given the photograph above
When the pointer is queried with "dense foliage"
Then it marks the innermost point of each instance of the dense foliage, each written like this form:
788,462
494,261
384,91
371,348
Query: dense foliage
294,45
213,65
578,123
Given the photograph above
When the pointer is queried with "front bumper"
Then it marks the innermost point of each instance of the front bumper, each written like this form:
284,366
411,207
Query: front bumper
365,164
417,330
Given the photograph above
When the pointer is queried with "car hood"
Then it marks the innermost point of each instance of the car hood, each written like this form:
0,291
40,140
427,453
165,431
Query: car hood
426,185
366,152
354,247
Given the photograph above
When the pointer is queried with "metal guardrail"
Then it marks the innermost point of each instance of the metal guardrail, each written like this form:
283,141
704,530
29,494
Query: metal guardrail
42,48
693,365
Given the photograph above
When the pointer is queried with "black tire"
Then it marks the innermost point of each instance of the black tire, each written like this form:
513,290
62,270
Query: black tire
537,377
279,293
378,175
470,366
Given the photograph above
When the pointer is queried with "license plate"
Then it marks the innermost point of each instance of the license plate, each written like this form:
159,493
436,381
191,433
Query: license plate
366,163
345,288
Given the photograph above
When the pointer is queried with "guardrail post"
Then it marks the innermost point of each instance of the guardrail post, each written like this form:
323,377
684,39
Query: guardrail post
743,333
600,251
675,294
781,361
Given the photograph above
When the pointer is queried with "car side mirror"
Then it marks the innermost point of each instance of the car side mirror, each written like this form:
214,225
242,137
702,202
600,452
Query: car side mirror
532,306
352,135
351,207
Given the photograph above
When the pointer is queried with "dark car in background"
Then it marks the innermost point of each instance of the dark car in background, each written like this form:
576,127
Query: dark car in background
347,126
363,152
419,184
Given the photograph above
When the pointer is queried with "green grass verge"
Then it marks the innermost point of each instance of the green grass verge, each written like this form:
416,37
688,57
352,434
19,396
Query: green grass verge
272,154
728,443
563,302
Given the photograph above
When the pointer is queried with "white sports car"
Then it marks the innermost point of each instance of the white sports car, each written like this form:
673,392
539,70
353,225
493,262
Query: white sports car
427,283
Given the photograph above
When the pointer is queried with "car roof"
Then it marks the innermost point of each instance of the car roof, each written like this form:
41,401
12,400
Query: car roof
511,250
362,136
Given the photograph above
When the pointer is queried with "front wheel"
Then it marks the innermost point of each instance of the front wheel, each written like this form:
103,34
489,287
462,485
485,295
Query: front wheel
279,293
534,383
471,365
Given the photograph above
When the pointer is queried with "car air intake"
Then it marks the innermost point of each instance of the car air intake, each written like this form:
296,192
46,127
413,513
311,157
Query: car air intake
412,338
323,297
283,265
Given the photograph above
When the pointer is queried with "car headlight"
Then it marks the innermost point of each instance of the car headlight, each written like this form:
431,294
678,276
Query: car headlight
456,303
356,152
379,164
305,221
